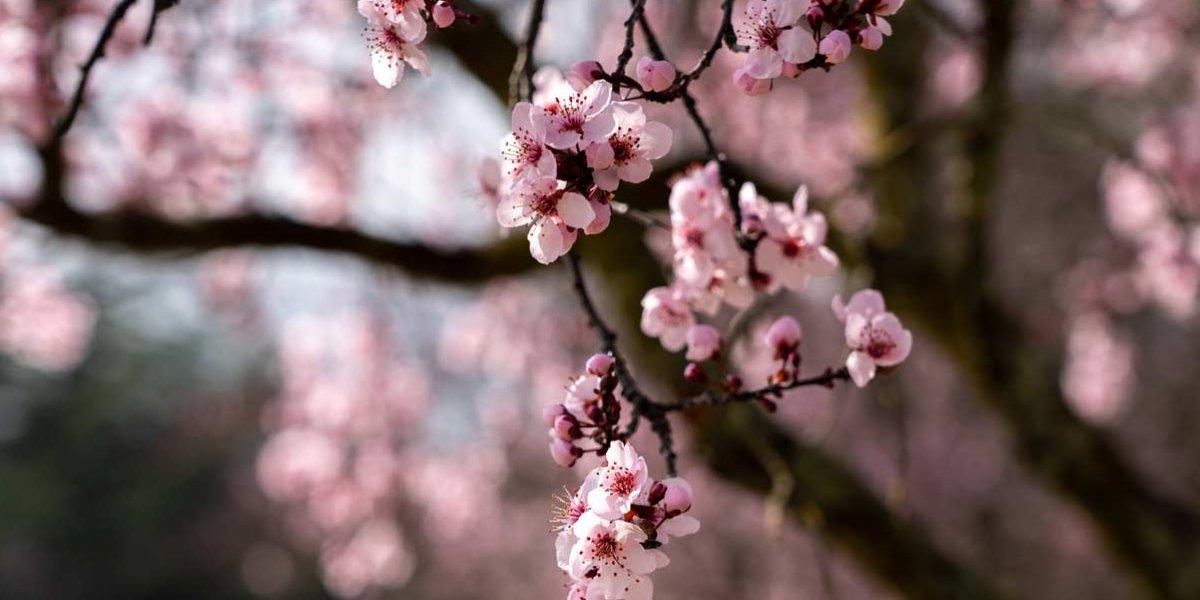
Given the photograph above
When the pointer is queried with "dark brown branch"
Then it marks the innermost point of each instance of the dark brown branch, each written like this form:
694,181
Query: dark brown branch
148,233
643,405
85,71
520,82
825,379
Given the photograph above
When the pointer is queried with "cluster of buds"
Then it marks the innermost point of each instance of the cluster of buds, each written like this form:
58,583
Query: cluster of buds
591,411
568,151
611,530
783,340
780,45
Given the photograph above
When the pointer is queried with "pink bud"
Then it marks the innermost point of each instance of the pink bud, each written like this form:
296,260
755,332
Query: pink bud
564,453
583,73
655,75
703,342
750,85
694,373
443,14
658,491
566,428
784,336
871,38
551,413
600,364
815,17
792,70
678,497
836,46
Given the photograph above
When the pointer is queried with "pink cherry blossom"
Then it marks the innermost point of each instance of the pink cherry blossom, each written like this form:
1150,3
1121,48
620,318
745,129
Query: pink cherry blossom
573,119
393,41
773,35
619,483
678,497
524,150
556,215
627,153
583,73
404,14
612,551
667,316
600,364
655,75
875,337
794,249
836,46
703,342
866,302
783,337
707,260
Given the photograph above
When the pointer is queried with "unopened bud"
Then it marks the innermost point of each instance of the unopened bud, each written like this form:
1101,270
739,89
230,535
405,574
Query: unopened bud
694,373
443,14
552,413
657,492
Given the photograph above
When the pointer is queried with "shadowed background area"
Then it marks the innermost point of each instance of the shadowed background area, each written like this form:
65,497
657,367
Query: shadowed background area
261,337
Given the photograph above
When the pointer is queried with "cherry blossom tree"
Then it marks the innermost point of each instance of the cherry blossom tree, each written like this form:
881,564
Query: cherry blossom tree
648,176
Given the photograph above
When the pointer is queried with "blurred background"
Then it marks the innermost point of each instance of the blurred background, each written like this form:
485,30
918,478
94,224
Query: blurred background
260,336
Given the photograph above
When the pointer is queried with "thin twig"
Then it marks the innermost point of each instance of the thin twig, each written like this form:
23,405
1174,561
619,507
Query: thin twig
522,71
85,71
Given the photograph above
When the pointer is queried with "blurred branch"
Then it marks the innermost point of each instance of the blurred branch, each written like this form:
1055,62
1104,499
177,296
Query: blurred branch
144,232
894,550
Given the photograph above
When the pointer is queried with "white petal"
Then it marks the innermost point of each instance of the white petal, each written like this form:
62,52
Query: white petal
796,45
416,57
386,68
575,210
861,368
656,139
764,63
545,242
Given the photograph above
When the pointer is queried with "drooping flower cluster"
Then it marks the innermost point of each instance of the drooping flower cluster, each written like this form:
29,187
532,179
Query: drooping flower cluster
876,337
612,528
569,149
781,45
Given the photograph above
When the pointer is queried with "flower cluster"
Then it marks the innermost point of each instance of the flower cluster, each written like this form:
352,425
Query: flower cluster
875,336
395,30
780,247
611,529
569,149
780,44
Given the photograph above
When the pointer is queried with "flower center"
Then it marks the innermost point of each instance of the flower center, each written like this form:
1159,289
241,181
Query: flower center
606,548
624,144
794,247
879,344
547,204
621,481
